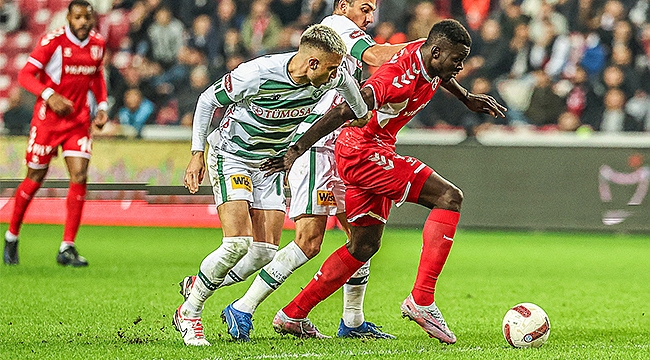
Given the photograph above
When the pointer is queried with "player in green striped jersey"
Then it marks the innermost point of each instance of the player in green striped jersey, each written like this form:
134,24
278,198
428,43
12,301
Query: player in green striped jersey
266,99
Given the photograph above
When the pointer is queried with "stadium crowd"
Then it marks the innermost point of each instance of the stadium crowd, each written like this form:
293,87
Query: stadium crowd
559,65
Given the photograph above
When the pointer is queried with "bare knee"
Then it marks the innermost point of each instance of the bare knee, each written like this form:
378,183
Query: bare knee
78,177
452,199
309,244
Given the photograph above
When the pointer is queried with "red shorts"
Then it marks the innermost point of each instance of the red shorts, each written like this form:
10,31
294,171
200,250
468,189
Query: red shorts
44,143
374,177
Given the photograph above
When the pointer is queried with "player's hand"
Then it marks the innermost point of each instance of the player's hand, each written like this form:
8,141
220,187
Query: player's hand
61,105
282,163
484,103
194,172
100,119
360,122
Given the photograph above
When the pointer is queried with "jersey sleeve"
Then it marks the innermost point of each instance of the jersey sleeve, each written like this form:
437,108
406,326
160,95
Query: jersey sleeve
381,83
357,41
347,87
238,84
38,58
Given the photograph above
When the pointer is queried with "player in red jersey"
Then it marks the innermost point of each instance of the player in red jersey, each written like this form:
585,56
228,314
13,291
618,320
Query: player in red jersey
63,68
375,176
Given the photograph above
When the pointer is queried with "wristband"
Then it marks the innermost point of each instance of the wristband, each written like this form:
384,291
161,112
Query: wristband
47,93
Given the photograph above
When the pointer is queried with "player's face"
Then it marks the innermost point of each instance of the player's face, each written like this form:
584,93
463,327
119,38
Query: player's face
81,21
447,61
323,67
361,12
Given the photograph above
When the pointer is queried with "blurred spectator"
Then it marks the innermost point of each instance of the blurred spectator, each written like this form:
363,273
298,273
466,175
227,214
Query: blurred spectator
261,29
141,17
614,118
166,37
423,18
614,78
639,108
313,11
199,81
188,10
386,32
582,100
135,113
545,105
172,81
9,16
510,16
568,121
550,51
613,12
594,57
520,46
622,58
476,11
495,56
18,114
623,35
288,11
544,17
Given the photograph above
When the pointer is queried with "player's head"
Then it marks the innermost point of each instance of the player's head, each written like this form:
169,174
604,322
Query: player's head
446,48
80,18
361,12
323,50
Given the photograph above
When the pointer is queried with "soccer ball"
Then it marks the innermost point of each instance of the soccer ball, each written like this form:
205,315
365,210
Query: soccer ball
526,325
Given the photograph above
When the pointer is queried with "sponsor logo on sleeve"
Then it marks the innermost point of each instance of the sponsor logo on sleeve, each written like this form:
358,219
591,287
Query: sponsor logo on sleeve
227,82
356,34
241,182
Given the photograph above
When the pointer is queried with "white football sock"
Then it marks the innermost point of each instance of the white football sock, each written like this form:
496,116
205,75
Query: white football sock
65,245
285,262
212,272
258,255
10,237
353,293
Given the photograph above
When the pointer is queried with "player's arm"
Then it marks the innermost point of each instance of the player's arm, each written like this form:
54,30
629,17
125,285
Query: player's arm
28,79
378,54
332,120
98,87
482,103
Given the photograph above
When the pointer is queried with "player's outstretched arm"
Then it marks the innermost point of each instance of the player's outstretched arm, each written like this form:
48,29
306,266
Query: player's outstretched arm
332,120
482,103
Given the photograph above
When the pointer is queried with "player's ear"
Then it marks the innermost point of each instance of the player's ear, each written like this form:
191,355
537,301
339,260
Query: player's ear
435,51
313,63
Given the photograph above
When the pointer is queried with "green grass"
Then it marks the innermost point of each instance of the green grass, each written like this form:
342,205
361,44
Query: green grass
594,287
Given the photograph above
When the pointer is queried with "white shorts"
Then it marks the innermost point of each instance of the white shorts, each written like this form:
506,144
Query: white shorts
316,188
233,178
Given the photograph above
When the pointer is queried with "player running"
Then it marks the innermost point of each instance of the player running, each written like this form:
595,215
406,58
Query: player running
317,191
62,69
375,177
267,98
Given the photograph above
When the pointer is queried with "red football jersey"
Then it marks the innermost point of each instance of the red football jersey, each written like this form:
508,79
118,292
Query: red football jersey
71,68
401,88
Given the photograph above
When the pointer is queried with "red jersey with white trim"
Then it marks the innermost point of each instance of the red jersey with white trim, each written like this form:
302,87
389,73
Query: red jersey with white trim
71,68
401,88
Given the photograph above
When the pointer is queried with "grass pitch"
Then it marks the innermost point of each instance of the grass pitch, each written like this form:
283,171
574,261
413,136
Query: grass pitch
594,287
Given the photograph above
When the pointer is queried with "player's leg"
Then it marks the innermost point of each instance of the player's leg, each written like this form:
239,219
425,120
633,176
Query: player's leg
334,272
23,197
445,200
78,171
233,194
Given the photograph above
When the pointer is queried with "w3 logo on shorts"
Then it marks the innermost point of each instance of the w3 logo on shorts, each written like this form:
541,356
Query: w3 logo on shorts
325,198
241,182
386,164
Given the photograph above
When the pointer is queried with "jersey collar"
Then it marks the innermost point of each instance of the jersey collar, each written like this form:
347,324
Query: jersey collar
73,38
423,69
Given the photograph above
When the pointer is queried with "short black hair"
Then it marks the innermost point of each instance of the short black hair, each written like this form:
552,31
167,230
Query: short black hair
83,3
449,30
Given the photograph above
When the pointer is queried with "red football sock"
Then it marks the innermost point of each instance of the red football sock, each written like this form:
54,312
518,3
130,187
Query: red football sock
336,270
75,204
437,235
24,194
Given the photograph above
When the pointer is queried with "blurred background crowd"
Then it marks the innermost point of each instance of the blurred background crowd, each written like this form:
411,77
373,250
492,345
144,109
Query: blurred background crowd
558,65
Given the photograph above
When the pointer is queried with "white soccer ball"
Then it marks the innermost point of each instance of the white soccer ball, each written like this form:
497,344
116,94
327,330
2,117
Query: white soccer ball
526,325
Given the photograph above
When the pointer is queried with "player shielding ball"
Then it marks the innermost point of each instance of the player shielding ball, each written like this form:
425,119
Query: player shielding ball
317,191
267,98
65,65
376,176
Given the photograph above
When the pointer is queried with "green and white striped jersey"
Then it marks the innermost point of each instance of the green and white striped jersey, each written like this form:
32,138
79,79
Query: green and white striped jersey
356,41
265,107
